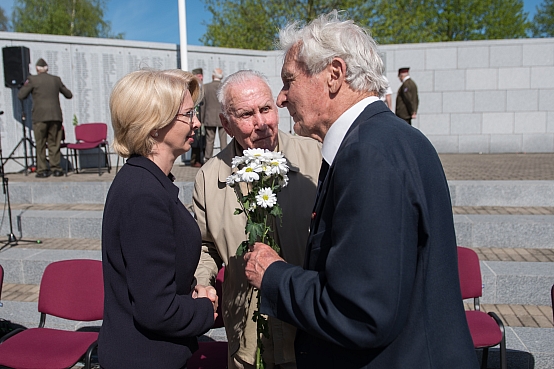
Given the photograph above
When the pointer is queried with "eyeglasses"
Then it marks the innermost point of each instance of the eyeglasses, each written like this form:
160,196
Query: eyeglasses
190,115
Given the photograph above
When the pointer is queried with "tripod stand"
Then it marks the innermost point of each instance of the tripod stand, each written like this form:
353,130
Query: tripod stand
24,140
12,239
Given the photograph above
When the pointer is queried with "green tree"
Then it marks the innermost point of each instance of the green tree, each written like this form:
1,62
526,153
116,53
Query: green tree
409,21
254,24
62,17
543,21
4,22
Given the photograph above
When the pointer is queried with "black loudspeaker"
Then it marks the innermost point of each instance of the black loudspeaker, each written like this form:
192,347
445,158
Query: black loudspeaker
16,65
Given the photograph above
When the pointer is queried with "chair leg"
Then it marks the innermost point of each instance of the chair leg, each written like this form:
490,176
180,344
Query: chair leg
66,161
108,160
485,358
88,356
99,156
503,359
76,163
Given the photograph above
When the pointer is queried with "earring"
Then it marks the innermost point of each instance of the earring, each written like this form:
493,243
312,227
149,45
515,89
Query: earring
156,134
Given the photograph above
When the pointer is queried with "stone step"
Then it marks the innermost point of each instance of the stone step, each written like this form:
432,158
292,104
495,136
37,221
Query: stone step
502,193
514,282
472,230
504,282
508,231
463,193
26,265
527,348
73,192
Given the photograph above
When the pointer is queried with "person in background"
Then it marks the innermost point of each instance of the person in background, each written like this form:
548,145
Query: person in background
210,115
197,152
250,116
380,286
386,97
46,116
407,99
153,308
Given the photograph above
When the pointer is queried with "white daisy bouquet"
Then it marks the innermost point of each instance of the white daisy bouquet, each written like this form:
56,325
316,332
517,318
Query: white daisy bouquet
265,173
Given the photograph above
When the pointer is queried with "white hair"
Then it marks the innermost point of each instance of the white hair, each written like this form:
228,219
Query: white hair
328,37
217,73
237,78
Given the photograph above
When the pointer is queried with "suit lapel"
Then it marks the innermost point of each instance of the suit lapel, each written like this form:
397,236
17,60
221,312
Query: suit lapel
316,227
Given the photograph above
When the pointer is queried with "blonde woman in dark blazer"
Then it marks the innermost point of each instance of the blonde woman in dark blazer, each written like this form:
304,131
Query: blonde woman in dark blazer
153,308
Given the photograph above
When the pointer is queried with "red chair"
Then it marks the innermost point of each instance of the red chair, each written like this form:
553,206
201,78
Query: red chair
91,136
70,289
212,355
487,330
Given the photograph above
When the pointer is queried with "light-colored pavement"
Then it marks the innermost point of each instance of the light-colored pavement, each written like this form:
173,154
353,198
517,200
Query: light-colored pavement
457,167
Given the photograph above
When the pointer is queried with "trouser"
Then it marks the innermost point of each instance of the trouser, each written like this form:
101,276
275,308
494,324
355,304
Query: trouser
236,363
195,155
51,132
210,139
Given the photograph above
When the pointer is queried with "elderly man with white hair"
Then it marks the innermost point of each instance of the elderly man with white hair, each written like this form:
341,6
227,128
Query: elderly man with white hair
250,116
380,286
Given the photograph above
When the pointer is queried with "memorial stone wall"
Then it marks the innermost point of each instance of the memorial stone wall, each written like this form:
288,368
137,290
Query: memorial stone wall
476,96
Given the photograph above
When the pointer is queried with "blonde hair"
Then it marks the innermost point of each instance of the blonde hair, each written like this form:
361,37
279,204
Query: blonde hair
146,100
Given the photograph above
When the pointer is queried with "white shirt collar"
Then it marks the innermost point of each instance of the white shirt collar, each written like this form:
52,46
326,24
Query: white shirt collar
405,79
338,130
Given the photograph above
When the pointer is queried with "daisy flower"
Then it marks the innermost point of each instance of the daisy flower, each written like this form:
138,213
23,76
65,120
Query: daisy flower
266,198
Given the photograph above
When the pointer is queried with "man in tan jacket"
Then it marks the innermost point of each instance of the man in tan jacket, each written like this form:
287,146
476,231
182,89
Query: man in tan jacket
250,116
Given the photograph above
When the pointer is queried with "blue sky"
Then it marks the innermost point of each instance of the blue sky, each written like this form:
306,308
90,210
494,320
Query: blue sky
158,20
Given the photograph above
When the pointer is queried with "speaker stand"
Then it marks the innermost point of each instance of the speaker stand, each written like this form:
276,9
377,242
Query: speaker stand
24,140
12,239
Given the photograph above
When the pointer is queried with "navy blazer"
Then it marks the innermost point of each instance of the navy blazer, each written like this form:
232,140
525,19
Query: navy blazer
150,249
380,287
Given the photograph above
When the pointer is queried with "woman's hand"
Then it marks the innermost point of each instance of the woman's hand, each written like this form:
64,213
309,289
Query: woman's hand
207,292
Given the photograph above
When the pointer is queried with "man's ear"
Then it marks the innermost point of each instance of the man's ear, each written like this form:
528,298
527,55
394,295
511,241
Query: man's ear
225,124
337,74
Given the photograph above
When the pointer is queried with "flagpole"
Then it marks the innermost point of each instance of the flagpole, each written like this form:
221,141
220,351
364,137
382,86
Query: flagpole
183,34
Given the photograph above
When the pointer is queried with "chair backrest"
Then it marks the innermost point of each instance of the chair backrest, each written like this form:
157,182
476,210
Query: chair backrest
470,273
73,289
219,288
91,132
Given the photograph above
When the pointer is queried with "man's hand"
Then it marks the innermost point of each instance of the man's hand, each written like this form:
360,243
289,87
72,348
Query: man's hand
260,257
207,292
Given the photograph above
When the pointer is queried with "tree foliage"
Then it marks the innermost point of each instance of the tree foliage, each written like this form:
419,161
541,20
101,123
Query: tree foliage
62,17
543,21
254,24
4,22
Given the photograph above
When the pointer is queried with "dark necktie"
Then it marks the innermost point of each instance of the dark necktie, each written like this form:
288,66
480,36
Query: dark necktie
322,174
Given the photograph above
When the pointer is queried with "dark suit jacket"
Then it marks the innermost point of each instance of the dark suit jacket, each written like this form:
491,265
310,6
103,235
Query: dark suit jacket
380,287
150,249
407,99
211,108
45,89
